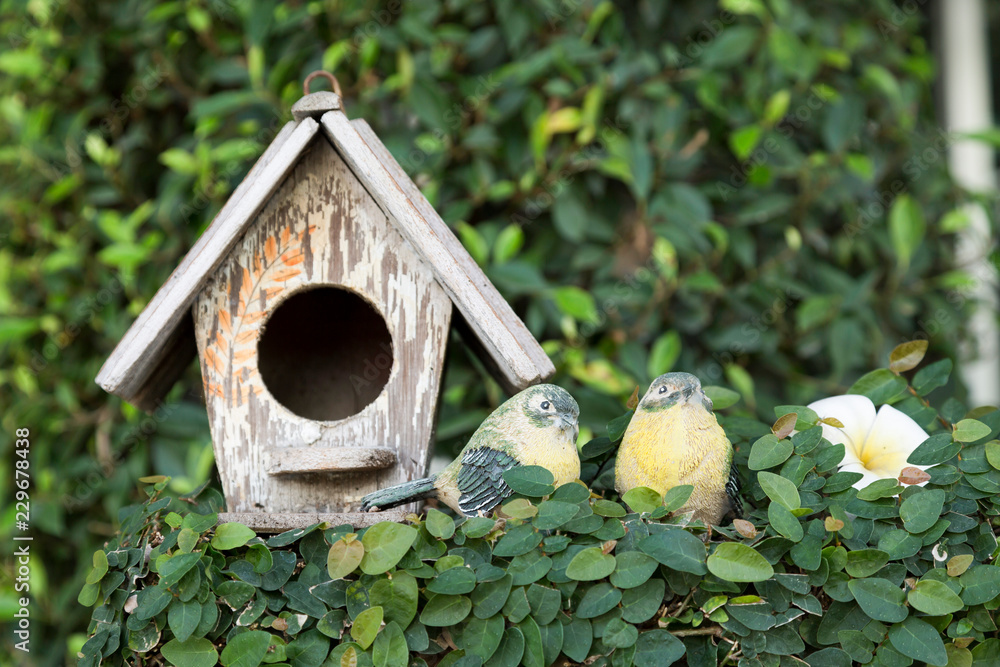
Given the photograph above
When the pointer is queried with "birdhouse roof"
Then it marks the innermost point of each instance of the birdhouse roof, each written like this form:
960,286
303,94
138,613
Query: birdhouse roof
159,345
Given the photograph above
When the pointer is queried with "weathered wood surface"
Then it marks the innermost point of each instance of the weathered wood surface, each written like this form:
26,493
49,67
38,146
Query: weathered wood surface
147,355
269,522
518,356
288,460
321,227
315,105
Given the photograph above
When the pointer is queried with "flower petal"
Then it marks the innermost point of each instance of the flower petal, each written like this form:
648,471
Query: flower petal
892,439
868,478
856,413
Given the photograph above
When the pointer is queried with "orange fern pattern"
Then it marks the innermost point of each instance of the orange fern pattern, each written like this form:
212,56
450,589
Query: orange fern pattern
273,269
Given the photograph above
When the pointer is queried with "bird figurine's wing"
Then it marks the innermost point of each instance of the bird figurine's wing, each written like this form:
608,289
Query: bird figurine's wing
480,479
733,488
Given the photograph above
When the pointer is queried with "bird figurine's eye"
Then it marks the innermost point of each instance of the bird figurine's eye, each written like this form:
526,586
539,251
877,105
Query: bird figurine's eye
545,405
663,389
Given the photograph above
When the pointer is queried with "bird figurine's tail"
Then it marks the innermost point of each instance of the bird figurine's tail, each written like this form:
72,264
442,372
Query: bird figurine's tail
407,492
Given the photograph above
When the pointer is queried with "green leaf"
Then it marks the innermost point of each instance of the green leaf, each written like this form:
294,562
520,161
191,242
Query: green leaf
599,599
554,513
744,140
829,657
732,561
934,598
633,568
344,557
619,634
246,649
490,597
442,611
938,448
907,356
577,639
100,561
721,397
930,377
477,526
531,481
390,648
657,648
481,636
385,544
970,430
918,640
865,562
183,618
575,302
591,564
534,653
980,584
906,228
922,510
366,626
231,535
880,386
784,522
152,600
675,497
511,649
173,568
195,652
676,548
88,594
664,354
398,598
642,499
780,490
880,488
879,598
768,451
439,524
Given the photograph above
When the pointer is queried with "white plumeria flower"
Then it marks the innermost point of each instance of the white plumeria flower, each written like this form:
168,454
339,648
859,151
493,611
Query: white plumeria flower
875,444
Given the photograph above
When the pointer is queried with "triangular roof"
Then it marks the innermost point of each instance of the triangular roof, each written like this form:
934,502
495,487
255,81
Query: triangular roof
160,344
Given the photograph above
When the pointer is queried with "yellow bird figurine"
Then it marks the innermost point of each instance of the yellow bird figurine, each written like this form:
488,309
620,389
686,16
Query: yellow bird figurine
675,439
537,427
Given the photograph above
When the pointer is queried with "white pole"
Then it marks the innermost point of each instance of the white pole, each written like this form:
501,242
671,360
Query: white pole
967,108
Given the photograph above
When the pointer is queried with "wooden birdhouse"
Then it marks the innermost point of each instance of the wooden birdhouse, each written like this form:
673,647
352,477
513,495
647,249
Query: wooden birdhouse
319,303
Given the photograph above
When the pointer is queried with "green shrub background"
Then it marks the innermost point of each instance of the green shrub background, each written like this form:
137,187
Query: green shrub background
742,189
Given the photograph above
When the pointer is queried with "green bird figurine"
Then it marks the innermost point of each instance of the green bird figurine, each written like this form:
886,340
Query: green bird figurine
674,439
538,426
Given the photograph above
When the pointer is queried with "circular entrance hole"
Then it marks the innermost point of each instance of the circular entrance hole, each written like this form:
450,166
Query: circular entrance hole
325,353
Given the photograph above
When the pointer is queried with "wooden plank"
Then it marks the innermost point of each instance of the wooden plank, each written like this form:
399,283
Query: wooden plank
268,522
315,105
472,293
289,364
127,371
488,292
289,460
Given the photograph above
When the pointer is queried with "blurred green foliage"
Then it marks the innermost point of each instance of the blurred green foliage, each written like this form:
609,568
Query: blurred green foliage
743,189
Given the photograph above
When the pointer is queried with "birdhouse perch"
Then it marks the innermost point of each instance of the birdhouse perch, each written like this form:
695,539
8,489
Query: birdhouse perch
319,302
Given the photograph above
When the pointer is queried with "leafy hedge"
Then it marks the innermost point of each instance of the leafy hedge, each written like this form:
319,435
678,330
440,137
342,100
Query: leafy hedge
753,190
821,572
